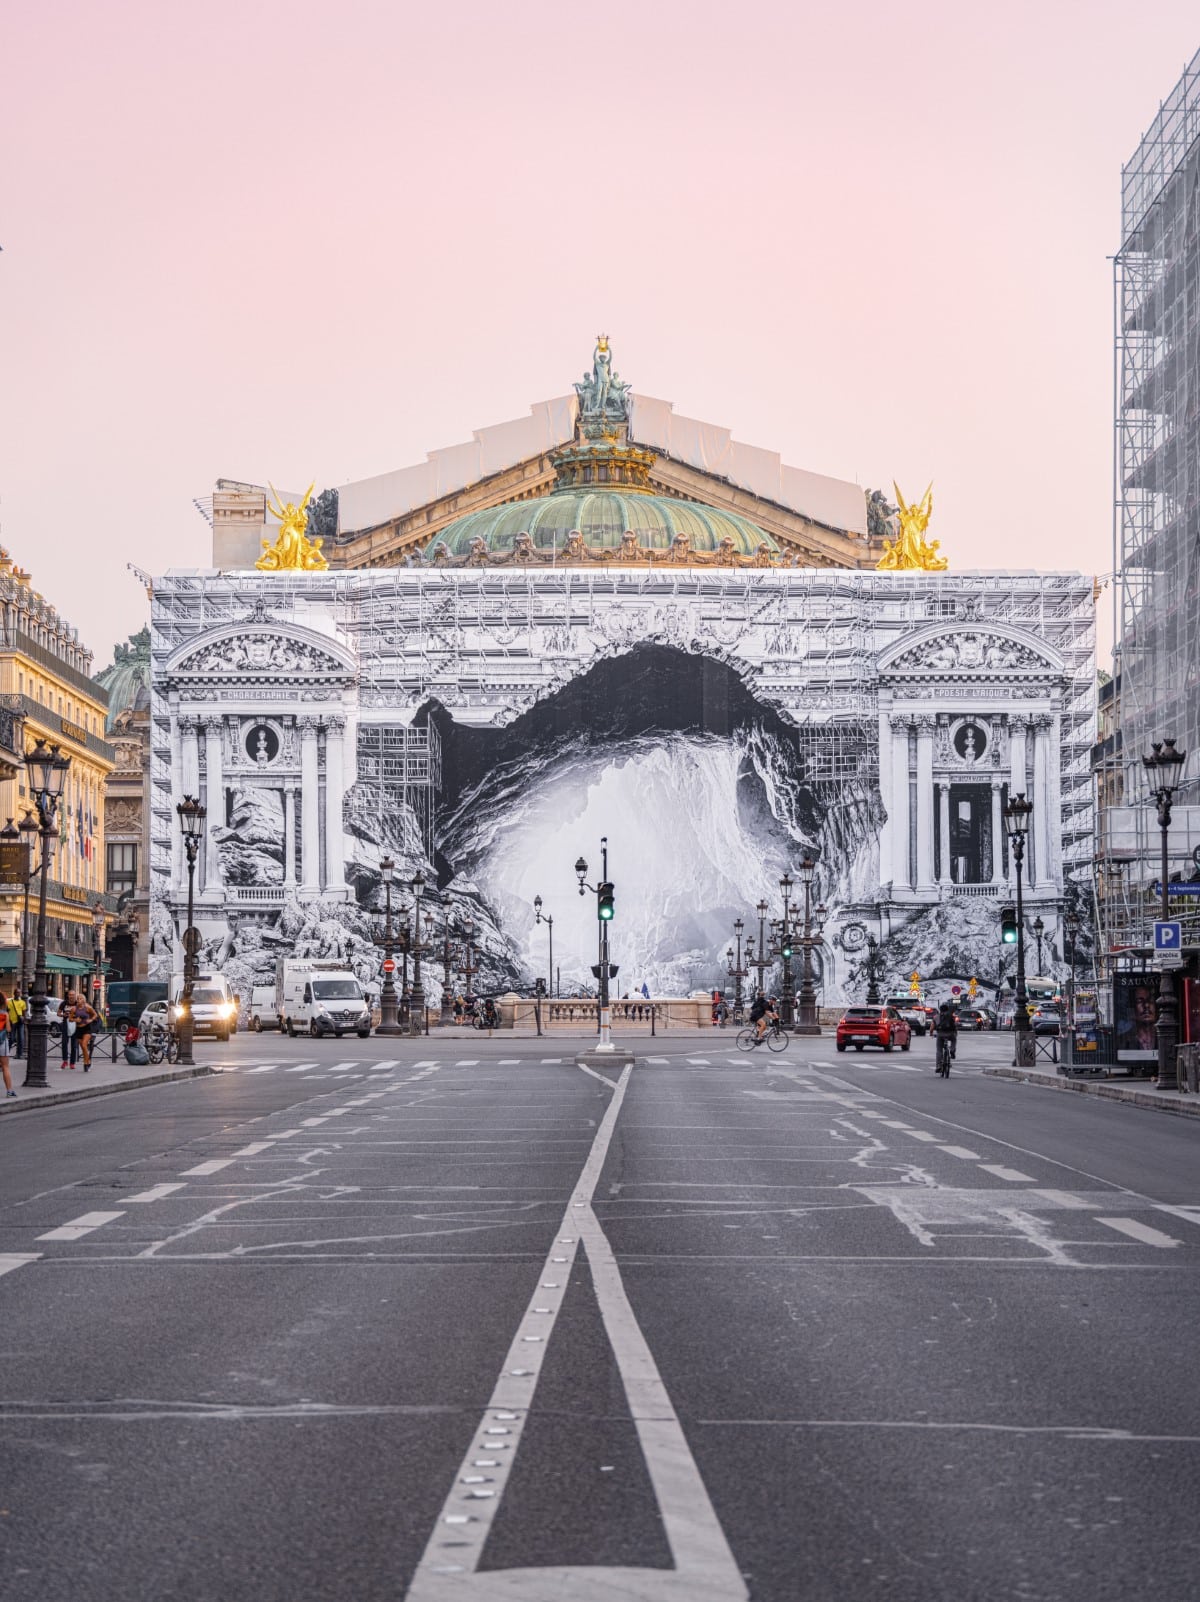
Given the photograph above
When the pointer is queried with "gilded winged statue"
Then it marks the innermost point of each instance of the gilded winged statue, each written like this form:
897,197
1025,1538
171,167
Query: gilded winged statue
910,549
292,550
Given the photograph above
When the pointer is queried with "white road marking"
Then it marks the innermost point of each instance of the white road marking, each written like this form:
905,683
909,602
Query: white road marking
254,1148
157,1192
267,1068
921,1134
656,1059
585,1069
1013,1175
704,1570
508,1062
953,1151
83,1225
213,1166
1066,1198
1190,1215
285,1134
1142,1232
551,1059
11,1260
300,1068
467,1062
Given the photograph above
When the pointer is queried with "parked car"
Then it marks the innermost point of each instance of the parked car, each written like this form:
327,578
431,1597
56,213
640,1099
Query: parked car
873,1026
914,1012
158,1012
974,1018
128,998
1046,1019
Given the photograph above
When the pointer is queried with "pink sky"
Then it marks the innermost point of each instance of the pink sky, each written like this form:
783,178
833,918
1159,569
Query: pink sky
316,240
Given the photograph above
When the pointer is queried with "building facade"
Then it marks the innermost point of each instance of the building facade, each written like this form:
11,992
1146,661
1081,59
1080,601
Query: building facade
1156,687
127,807
631,627
45,684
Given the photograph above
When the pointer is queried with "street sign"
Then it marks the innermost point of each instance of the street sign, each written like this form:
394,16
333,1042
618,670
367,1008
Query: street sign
956,990
1178,887
191,941
389,965
1168,936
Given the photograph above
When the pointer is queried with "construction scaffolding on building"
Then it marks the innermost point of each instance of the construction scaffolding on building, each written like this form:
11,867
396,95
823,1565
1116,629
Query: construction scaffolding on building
1156,537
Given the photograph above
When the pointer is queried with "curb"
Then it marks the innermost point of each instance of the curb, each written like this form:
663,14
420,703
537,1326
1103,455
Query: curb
58,1097
1108,1092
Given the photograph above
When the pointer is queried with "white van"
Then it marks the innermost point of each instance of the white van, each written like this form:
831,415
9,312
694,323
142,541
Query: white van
321,998
214,1005
263,1014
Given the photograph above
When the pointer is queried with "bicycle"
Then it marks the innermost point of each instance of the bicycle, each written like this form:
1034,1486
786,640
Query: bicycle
944,1054
162,1041
775,1036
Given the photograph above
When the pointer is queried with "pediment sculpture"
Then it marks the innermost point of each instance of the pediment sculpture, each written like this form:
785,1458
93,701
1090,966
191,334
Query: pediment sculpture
251,654
968,653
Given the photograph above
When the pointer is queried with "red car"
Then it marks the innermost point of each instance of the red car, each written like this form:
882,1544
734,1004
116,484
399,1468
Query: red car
873,1026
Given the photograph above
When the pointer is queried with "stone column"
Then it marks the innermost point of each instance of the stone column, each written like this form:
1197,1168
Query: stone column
289,834
176,836
1018,783
335,850
997,834
1054,782
925,730
945,876
901,869
887,869
310,827
1039,873
214,730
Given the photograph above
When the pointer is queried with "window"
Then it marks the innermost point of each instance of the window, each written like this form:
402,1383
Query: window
122,869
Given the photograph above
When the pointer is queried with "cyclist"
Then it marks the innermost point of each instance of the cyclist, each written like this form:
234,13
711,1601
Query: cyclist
763,1015
946,1030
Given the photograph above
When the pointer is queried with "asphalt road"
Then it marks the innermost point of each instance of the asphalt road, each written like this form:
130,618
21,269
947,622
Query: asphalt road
457,1319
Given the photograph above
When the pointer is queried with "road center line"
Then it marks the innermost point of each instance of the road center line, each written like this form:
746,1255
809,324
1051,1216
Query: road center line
157,1192
213,1166
83,1225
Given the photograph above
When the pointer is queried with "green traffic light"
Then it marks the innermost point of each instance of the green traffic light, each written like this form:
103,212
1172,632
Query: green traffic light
606,914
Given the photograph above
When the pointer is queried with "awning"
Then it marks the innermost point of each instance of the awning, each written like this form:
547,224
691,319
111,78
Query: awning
10,962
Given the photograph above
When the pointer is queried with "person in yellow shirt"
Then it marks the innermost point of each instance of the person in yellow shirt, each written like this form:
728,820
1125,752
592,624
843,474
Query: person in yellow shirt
17,1008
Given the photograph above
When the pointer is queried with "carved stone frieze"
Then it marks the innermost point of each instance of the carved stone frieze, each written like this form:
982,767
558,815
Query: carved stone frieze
969,652
253,655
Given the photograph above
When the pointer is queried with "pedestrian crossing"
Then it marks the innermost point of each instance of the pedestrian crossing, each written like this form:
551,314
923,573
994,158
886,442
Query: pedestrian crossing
742,1059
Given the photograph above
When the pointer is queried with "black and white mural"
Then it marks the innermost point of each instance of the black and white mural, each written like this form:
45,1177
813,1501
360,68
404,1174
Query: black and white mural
485,730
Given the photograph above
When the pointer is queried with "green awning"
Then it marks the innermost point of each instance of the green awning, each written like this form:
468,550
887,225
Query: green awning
10,962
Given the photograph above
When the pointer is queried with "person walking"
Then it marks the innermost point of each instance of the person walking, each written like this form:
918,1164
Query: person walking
17,1006
5,1034
66,1021
86,1019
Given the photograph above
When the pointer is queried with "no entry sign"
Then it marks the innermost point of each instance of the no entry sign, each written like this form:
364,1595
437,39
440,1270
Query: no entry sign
389,966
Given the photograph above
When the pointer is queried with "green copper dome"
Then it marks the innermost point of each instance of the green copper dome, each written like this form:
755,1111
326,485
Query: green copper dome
603,518
127,679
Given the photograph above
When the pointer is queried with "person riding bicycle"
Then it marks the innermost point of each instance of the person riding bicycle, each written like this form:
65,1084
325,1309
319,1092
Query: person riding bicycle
946,1026
763,1014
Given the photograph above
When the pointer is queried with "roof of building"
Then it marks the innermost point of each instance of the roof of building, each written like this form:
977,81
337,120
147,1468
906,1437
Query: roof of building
127,679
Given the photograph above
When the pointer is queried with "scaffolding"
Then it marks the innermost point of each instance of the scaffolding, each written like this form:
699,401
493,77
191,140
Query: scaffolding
400,776
1156,532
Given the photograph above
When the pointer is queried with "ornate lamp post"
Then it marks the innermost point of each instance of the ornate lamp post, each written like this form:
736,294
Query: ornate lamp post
601,890
417,1019
787,1009
446,1016
468,967
404,946
872,967
98,957
807,1022
1016,817
547,919
28,829
387,995
191,821
762,961
1039,929
47,769
1163,767
733,964
1070,930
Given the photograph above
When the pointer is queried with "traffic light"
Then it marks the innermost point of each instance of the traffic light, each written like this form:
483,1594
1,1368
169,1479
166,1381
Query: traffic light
786,949
604,902
1008,926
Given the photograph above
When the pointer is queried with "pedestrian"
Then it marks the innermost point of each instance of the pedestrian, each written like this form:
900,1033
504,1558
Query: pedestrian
66,1019
17,1007
86,1019
5,1032
458,1009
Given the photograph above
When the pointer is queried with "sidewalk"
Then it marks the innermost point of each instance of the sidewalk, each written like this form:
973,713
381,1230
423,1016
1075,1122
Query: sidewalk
102,1079
1139,1092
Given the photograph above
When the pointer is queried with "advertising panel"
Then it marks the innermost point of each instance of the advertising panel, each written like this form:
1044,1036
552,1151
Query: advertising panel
1134,1016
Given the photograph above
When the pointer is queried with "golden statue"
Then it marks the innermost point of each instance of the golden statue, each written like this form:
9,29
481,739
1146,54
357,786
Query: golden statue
910,549
293,550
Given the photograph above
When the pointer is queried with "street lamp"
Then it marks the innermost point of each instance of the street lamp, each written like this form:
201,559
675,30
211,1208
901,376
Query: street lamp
1071,930
417,1012
603,913
468,968
806,1023
28,828
47,769
1039,929
98,956
1016,817
192,814
387,994
1163,767
547,919
446,1016
734,965
785,950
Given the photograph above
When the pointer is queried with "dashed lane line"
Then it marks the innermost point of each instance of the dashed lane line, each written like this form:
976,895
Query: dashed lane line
213,1166
1066,1198
83,1225
157,1192
12,1260
1190,1215
964,1152
1013,1175
1140,1232
253,1149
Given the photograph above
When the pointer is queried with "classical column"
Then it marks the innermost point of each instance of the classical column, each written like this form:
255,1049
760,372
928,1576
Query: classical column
944,874
887,869
1039,871
1054,782
185,780
901,857
335,866
997,834
1018,783
289,834
214,730
925,730
310,828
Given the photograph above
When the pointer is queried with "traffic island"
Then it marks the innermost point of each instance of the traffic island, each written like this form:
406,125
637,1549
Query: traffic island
617,1057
